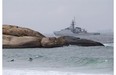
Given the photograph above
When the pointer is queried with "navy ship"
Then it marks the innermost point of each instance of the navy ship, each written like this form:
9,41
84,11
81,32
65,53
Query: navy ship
73,31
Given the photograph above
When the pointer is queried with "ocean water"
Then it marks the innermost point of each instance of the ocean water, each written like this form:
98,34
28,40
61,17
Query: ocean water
67,60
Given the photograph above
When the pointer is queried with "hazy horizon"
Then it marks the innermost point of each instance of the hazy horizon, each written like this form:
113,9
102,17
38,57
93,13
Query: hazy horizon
54,15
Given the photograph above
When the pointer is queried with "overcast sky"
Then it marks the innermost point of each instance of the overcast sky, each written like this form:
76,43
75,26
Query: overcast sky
47,16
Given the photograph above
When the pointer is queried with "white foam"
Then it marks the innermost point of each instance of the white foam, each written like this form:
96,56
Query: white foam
35,72
108,44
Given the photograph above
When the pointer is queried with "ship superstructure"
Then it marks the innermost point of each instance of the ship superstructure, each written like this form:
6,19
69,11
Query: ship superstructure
73,31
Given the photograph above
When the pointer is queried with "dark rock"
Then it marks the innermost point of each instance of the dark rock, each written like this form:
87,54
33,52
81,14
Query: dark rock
80,42
86,42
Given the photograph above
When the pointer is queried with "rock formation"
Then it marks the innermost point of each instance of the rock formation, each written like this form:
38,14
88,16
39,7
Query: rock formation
10,41
49,42
70,40
20,31
18,37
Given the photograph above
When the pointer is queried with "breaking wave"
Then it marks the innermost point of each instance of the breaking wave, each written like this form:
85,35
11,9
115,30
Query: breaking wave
34,72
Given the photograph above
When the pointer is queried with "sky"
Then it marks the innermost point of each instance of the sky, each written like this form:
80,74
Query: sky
47,16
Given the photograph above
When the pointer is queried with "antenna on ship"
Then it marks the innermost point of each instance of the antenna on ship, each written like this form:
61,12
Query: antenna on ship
73,25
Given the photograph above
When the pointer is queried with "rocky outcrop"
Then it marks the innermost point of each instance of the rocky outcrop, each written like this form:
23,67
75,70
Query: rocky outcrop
10,41
20,31
85,42
18,37
70,40
49,42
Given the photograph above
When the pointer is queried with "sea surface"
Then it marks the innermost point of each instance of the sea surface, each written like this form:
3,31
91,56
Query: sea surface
67,60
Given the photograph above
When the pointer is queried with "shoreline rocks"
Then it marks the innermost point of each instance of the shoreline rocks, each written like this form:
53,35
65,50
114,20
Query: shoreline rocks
19,37
70,40
10,41
50,42
20,31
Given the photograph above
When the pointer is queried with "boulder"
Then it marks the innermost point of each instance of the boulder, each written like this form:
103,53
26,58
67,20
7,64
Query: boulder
10,41
70,40
50,42
86,42
61,41
20,31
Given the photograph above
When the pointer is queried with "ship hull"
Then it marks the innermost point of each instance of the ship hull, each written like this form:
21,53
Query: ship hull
74,34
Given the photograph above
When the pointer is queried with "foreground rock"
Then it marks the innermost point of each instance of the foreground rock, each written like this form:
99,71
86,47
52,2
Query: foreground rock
10,41
49,42
80,42
18,37
20,31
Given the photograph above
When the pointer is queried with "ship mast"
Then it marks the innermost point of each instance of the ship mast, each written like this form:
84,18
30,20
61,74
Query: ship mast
73,25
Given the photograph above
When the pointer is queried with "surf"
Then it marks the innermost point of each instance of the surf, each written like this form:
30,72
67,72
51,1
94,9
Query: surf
35,72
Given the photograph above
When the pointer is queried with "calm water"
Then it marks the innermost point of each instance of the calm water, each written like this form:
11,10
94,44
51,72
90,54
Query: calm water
67,60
